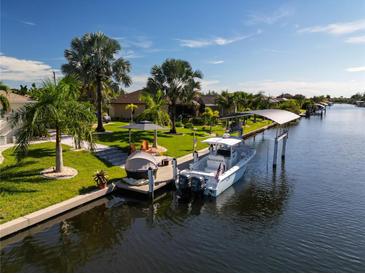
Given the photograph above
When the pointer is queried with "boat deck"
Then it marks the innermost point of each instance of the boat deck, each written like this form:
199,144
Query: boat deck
164,177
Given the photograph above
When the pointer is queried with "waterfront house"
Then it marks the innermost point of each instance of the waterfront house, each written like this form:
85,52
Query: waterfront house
118,111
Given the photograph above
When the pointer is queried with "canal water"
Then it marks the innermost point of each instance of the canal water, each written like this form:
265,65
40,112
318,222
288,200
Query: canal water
309,215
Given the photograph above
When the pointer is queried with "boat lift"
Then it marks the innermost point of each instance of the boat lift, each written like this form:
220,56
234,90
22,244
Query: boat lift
278,116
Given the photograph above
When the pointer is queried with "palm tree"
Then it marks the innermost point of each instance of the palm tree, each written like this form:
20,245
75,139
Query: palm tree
4,87
132,108
175,78
58,108
224,101
155,108
4,102
210,117
93,58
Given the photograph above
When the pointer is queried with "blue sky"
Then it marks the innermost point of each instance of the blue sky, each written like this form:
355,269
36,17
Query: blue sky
308,47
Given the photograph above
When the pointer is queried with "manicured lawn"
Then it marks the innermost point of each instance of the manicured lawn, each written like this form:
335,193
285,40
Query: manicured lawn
23,190
177,145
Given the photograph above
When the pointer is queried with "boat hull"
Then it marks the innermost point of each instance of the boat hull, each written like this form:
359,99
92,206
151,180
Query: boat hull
225,183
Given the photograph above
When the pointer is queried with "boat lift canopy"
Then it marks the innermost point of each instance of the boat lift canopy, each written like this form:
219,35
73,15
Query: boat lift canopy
279,116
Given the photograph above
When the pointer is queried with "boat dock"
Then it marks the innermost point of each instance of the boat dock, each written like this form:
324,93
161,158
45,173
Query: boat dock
163,178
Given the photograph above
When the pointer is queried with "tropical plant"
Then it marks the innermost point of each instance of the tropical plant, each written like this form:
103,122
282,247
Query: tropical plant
57,108
4,102
155,108
210,117
241,100
101,178
175,78
93,58
224,102
4,87
5,105
132,108
290,105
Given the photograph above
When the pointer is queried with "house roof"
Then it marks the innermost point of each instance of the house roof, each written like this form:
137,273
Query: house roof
129,98
208,100
14,98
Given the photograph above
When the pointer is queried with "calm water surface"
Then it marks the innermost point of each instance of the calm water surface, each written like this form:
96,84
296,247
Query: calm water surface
309,215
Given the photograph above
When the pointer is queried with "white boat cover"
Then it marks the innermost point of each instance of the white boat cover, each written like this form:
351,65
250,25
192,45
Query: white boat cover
277,115
222,141
140,160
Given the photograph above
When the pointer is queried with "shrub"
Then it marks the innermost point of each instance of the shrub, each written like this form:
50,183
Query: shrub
189,125
197,121
179,124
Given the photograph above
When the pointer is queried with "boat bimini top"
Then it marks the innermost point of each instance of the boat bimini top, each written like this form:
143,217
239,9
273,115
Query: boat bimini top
222,141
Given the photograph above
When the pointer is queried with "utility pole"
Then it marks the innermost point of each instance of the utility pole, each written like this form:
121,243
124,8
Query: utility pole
54,77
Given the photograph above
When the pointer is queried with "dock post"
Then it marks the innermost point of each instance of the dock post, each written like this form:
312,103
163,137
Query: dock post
174,169
284,147
275,153
195,156
151,183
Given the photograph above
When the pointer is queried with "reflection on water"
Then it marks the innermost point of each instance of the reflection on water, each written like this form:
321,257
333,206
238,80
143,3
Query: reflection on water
308,215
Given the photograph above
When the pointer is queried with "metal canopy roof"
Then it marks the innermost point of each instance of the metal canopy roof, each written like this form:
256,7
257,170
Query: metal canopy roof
144,125
277,115
222,141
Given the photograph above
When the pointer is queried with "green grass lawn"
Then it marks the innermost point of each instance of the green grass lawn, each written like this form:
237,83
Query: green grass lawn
23,190
177,145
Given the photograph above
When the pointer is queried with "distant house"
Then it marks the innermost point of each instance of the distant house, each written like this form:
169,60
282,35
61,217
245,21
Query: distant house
209,101
117,109
15,101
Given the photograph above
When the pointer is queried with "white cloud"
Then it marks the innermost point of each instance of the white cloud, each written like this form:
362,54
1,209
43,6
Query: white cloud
131,54
218,41
338,28
308,88
139,42
216,62
257,18
356,40
356,69
13,69
28,23
139,81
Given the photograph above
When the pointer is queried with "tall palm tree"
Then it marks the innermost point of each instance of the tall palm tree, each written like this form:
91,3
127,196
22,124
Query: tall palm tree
132,108
175,78
93,58
58,108
155,108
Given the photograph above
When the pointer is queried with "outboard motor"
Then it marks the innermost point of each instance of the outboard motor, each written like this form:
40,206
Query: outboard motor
184,184
197,184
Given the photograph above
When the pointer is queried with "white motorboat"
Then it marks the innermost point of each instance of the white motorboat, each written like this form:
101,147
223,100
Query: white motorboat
222,167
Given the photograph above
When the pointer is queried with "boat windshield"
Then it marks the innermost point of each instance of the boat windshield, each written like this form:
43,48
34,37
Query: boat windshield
224,152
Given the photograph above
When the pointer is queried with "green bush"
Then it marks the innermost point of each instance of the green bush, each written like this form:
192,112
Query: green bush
197,121
189,125
179,124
